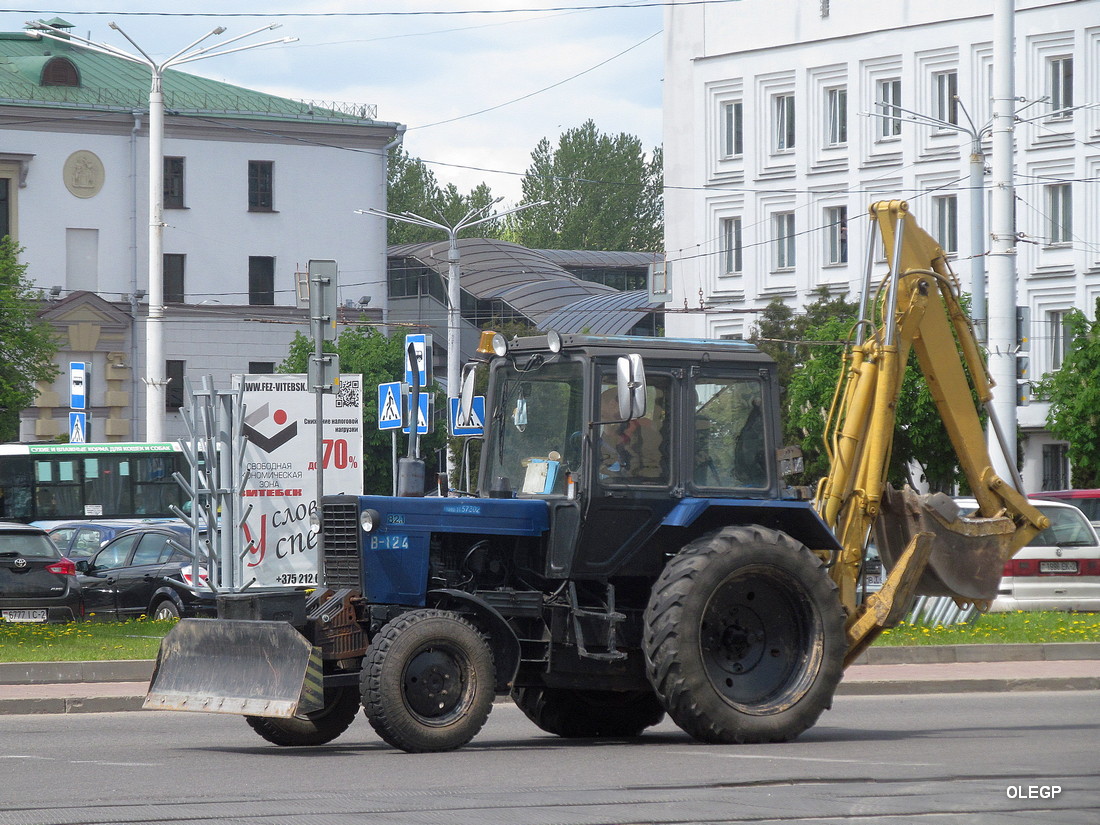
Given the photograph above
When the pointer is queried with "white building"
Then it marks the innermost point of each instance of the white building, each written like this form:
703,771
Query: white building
784,120
255,187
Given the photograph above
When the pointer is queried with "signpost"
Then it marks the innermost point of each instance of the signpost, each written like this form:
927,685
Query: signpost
78,400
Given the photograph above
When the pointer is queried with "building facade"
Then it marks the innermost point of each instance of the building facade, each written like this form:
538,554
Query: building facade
784,120
255,186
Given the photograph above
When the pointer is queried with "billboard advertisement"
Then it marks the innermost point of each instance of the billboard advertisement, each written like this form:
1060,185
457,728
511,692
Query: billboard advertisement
281,457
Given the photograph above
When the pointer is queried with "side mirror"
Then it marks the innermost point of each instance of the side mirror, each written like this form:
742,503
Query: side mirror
630,374
83,566
466,392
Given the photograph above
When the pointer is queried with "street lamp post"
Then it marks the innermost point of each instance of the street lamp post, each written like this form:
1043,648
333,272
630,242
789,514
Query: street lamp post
154,328
454,273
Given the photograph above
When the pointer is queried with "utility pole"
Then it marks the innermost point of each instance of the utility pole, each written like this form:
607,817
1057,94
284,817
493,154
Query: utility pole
454,274
1002,253
154,328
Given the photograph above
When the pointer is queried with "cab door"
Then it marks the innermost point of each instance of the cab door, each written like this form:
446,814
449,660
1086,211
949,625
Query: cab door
631,479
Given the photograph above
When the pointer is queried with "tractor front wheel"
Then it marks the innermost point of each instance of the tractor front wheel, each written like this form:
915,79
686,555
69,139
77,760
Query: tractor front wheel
744,637
427,681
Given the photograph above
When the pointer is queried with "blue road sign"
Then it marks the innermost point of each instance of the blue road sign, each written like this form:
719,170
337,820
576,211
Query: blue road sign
78,385
474,424
389,406
423,354
78,427
424,420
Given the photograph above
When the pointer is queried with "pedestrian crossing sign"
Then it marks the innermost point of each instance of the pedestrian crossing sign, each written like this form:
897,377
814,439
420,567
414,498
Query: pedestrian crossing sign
474,423
389,406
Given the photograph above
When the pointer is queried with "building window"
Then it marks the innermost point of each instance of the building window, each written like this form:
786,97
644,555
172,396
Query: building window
1059,213
733,129
1061,86
945,90
945,222
838,116
60,71
261,280
173,279
261,367
889,108
731,246
784,122
173,183
836,225
261,184
173,393
784,240
1060,336
1055,467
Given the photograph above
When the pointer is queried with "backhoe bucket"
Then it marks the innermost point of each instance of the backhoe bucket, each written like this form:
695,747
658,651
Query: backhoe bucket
256,668
968,553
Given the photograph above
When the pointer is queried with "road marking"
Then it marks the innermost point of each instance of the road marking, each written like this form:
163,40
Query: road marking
799,758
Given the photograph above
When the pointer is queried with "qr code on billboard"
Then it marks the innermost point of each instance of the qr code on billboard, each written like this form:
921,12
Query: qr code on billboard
348,394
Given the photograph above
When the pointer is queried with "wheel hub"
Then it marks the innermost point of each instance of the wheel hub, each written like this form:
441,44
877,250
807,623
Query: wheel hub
433,683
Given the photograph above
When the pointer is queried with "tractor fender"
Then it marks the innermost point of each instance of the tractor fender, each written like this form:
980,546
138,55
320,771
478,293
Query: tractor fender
501,637
798,519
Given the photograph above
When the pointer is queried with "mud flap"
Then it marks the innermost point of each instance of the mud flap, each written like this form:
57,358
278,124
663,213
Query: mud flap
968,553
255,668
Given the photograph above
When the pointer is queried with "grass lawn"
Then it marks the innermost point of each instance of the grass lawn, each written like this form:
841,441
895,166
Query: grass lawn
140,638
81,641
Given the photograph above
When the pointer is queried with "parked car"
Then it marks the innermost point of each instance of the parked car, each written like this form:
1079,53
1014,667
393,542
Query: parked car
37,583
1059,569
82,539
145,571
1087,501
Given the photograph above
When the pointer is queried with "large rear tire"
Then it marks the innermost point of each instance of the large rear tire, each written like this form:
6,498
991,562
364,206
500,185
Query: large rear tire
317,728
744,637
427,681
578,714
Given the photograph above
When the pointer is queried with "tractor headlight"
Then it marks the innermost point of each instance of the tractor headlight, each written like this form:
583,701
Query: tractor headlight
314,523
369,519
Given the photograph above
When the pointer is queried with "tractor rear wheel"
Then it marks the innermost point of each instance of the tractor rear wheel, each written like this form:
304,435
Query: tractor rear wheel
744,637
316,728
578,714
427,681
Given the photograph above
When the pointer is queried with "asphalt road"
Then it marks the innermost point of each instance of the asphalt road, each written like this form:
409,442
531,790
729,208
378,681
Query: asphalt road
978,758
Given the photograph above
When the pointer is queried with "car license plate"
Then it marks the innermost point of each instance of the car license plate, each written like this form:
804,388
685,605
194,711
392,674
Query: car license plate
35,615
873,580
1057,567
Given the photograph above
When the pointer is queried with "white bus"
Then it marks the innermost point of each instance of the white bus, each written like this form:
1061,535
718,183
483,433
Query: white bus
55,482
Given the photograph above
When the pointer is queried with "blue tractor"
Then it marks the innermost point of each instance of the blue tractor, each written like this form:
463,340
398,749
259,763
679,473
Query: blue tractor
631,550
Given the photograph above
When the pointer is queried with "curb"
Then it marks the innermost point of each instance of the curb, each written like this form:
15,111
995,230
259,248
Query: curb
946,654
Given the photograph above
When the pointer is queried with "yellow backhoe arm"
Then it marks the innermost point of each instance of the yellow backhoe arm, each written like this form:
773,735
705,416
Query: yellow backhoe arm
929,547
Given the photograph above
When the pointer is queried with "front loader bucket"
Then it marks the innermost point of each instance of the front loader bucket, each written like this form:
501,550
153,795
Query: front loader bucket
255,668
968,553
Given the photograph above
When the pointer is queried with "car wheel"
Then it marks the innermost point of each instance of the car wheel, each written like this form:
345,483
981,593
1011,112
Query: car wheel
165,610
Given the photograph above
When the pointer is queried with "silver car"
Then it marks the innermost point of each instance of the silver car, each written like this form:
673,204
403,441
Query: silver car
1059,569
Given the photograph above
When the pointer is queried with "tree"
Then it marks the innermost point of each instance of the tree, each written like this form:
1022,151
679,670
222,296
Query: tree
27,345
412,187
602,193
1074,393
380,360
809,350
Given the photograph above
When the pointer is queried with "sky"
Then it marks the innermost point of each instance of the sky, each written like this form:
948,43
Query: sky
477,91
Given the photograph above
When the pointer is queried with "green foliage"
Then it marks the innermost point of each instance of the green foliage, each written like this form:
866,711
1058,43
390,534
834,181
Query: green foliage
412,187
1074,393
809,348
27,345
602,193
380,360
